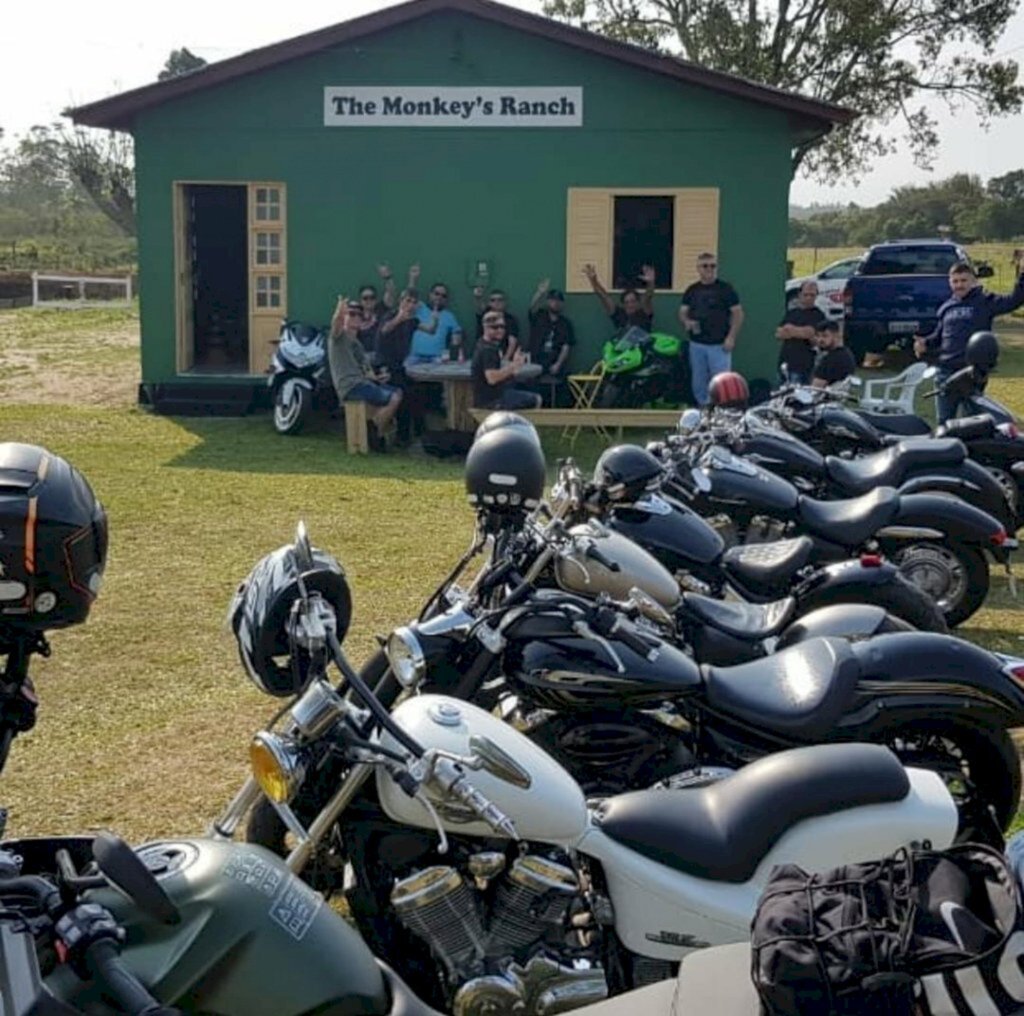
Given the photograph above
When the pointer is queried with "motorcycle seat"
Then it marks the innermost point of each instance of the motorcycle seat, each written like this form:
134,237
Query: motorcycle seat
968,428
798,693
767,568
889,467
722,832
852,521
749,622
905,424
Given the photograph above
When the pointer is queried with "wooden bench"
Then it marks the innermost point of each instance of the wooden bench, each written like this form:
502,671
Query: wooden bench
597,418
356,425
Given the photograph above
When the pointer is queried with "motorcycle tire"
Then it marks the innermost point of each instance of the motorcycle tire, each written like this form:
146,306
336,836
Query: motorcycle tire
954,576
987,758
901,599
291,417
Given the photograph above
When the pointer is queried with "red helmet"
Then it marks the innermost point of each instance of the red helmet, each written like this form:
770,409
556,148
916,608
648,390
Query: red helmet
729,390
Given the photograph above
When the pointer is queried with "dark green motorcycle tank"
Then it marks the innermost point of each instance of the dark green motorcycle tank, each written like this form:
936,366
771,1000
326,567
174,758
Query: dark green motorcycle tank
253,940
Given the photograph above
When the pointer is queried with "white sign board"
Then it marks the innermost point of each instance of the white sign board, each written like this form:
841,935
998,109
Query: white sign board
384,106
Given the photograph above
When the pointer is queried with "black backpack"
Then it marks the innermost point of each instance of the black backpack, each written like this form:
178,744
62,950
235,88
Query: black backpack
920,933
447,443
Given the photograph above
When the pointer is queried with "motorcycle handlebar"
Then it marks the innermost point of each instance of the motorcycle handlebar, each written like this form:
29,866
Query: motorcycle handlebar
453,782
106,966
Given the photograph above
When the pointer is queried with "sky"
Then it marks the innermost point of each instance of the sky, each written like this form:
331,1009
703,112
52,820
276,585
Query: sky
59,53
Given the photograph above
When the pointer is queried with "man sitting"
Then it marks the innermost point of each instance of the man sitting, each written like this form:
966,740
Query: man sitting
492,379
438,333
835,362
355,380
497,301
551,332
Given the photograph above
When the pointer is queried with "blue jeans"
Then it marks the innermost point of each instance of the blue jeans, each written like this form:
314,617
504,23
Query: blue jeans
373,393
705,362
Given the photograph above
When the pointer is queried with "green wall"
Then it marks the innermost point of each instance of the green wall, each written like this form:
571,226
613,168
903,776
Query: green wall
447,197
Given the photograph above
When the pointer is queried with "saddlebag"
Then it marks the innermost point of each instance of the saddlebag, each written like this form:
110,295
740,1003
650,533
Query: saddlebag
920,932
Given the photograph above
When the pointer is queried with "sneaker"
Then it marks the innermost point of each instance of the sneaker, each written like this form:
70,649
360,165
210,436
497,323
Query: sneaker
375,438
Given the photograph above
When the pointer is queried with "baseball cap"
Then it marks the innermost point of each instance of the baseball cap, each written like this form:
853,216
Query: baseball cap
556,294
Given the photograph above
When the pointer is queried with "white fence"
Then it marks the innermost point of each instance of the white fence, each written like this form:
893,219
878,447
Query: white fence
78,283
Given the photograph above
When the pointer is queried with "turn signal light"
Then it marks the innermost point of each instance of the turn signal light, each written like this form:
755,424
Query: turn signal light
998,538
871,560
1016,672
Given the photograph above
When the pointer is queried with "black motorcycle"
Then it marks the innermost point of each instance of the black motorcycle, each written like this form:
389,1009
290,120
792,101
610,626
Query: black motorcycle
939,542
300,377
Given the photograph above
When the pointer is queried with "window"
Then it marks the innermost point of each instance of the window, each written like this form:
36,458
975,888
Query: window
268,292
620,230
841,270
643,235
911,261
268,248
268,204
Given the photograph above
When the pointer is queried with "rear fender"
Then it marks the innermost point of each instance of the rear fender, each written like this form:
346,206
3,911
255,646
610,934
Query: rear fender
923,671
844,620
846,576
959,521
970,481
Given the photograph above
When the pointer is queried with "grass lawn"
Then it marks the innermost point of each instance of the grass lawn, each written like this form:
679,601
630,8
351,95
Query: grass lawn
146,713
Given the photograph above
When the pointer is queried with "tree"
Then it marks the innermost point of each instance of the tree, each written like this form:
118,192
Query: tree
103,163
181,61
880,57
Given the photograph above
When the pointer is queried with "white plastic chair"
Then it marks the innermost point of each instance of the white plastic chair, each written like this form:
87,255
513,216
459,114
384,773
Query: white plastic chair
893,394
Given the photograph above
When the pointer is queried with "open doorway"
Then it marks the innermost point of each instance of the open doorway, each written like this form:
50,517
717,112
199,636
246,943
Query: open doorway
216,245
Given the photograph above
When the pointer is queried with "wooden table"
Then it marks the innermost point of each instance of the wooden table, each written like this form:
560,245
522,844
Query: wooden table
457,381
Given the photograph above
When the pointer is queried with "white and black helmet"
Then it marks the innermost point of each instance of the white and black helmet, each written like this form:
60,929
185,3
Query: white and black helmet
505,471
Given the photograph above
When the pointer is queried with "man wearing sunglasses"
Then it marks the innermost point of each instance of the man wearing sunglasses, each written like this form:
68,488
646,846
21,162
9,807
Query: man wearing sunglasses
710,311
497,301
492,378
438,334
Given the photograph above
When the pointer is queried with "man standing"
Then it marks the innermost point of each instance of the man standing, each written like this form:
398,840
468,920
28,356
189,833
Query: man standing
796,332
635,309
492,379
354,379
836,362
970,309
551,333
710,311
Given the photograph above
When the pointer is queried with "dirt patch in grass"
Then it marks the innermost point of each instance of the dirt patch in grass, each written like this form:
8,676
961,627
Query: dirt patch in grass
69,357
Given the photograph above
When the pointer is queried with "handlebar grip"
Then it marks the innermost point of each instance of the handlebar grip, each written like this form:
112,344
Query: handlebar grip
453,780
107,967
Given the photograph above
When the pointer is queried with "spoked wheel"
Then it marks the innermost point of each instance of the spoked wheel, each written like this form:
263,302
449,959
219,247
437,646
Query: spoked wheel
956,578
1010,490
290,414
981,769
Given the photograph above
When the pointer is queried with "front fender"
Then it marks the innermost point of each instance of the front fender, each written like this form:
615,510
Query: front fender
958,520
844,620
925,670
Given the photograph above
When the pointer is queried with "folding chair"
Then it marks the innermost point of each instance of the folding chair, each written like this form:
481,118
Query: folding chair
584,388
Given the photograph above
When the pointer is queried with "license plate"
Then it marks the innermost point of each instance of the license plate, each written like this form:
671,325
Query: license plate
903,327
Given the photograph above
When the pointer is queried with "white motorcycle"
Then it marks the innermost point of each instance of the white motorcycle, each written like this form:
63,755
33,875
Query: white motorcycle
473,863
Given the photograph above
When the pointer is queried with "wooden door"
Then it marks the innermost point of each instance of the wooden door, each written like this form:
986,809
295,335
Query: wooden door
268,271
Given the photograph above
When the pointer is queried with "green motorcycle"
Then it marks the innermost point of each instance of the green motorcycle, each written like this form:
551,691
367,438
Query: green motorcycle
643,367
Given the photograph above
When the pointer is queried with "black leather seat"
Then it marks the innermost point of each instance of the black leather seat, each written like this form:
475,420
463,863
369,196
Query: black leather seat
799,693
766,569
888,468
905,424
749,622
968,428
852,521
722,832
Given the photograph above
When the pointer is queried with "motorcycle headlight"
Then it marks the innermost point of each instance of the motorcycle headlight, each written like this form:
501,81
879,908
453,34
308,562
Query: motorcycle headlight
405,654
276,766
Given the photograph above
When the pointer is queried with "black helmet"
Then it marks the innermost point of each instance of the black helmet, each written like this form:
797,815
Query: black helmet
505,418
982,350
259,612
53,541
505,471
627,472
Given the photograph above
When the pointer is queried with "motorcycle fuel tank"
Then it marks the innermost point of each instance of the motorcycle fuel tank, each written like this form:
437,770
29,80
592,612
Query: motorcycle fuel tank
782,453
735,479
576,571
551,808
677,536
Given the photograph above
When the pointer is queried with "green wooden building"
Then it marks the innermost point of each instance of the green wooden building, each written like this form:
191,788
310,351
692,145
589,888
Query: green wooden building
486,143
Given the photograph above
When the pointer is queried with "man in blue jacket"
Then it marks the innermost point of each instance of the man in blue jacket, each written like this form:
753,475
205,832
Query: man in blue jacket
970,309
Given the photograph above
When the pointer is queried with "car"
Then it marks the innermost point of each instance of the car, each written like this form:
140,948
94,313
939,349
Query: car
831,281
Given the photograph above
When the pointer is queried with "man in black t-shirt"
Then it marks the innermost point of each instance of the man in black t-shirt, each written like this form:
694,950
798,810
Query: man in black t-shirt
497,301
710,311
393,341
835,361
635,308
796,332
492,379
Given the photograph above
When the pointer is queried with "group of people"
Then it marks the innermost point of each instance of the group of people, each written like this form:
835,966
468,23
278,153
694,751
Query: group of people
812,350
376,338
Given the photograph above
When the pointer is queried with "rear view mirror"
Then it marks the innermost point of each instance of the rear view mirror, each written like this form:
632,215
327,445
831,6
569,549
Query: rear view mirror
929,373
984,271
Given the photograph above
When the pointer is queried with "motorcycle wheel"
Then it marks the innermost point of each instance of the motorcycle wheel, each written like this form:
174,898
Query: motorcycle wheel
955,577
901,599
980,767
290,416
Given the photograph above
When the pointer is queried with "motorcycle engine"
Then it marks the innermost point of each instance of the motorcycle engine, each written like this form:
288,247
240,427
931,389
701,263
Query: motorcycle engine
522,940
764,529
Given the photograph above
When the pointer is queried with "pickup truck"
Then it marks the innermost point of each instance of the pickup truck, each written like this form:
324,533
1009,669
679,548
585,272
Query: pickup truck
897,291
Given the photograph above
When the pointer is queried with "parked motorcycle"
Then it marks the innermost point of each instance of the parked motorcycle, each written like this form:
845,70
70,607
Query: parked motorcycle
939,543
478,864
300,377
640,367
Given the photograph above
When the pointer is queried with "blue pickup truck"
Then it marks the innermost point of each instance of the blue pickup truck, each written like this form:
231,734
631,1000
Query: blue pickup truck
897,291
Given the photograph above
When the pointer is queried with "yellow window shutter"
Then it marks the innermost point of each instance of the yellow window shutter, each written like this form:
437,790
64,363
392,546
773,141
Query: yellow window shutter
696,231
588,237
